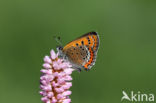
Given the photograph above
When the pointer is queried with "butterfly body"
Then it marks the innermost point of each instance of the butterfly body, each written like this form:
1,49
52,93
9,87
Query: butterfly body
81,53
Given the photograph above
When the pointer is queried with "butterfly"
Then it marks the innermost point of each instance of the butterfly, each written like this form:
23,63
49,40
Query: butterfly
81,52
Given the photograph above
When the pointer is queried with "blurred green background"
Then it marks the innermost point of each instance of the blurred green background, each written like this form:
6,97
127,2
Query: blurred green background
126,58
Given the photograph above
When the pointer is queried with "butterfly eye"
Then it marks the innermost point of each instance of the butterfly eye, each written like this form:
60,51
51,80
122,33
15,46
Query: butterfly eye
59,48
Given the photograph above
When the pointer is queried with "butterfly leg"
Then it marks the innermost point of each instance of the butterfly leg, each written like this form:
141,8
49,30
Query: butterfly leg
78,69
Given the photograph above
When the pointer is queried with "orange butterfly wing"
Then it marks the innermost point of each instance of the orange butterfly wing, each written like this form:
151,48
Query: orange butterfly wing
89,40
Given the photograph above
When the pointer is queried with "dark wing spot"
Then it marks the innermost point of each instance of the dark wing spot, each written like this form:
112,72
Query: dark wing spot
80,46
74,49
89,41
77,44
88,38
82,42
77,53
83,58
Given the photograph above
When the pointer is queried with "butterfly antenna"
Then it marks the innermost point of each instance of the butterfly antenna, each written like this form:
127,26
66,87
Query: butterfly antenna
58,40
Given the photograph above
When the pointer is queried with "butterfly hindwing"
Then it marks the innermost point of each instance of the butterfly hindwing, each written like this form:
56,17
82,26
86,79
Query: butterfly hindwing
82,51
77,55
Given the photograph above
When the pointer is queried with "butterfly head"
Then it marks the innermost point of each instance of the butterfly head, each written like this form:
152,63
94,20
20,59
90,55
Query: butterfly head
61,54
59,49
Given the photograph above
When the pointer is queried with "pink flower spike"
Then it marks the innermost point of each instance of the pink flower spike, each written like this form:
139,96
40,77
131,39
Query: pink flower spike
68,78
54,100
66,101
43,93
55,84
49,78
47,88
66,93
61,74
59,90
53,55
44,99
68,64
56,66
47,60
48,101
55,79
59,61
68,71
50,94
43,70
56,74
61,81
60,96
64,65
67,85
47,71
44,82
46,66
